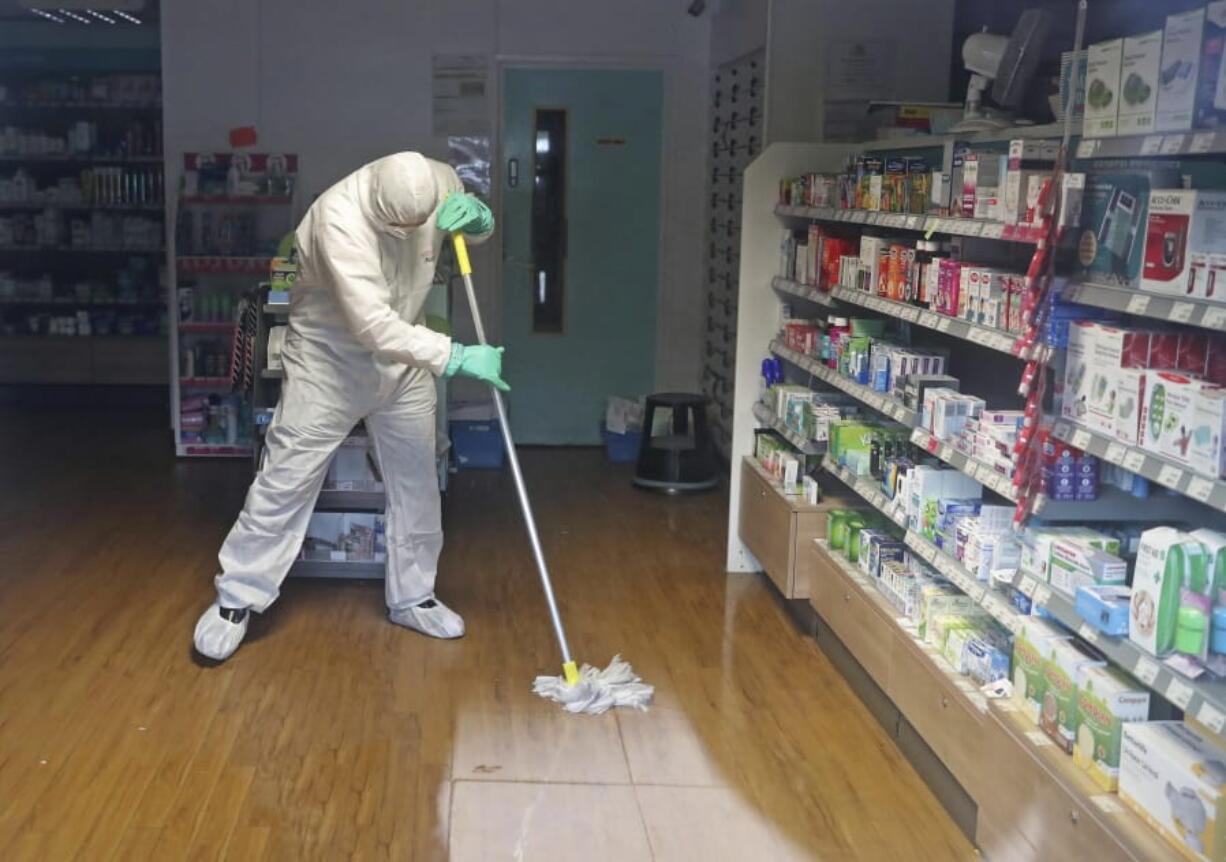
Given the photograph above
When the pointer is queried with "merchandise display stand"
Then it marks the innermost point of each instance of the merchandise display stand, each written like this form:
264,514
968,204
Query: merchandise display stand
81,229
232,210
965,730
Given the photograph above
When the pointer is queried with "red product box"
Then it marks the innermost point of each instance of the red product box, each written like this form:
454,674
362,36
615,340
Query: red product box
1215,363
1129,348
1163,350
1193,353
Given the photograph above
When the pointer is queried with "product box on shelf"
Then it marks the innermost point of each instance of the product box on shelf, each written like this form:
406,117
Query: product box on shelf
1111,242
1174,777
1105,608
1103,88
1165,558
1207,432
1177,82
1167,414
1073,564
1183,226
1211,89
1031,645
1028,160
1062,664
1106,701
1139,70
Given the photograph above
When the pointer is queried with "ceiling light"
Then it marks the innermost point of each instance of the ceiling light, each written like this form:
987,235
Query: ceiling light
101,17
42,13
81,19
132,19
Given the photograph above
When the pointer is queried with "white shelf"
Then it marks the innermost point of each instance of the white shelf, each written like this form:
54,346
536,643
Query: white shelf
1205,701
1204,489
920,142
969,227
950,568
803,291
984,336
769,418
884,404
1209,315
1194,143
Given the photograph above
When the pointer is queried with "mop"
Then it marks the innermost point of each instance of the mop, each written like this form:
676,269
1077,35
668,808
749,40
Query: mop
580,690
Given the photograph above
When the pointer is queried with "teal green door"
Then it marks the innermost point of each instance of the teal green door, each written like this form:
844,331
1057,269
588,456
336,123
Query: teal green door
580,232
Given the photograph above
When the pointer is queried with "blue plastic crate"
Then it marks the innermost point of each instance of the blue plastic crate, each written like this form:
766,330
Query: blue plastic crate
477,444
621,448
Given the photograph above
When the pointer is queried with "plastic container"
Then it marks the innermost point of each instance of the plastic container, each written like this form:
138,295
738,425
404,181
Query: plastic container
621,448
477,444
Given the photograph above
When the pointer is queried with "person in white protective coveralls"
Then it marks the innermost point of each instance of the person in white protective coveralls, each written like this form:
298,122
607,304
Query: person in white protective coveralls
356,350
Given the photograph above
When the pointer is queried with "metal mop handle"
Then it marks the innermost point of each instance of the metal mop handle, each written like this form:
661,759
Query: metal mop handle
568,665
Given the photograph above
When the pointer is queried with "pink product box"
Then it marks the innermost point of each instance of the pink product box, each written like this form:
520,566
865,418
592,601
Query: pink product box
948,280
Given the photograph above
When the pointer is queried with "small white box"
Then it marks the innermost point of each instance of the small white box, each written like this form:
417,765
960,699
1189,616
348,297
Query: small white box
1207,452
1139,83
1182,226
1181,44
1103,88
1167,414
1174,778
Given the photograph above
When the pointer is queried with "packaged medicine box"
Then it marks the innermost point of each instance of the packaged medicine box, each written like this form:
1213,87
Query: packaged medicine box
1183,226
1177,80
1139,70
1103,88
1106,701
1211,88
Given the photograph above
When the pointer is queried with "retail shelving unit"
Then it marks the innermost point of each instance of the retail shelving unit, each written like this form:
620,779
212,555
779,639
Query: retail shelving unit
1110,829
737,132
82,229
230,217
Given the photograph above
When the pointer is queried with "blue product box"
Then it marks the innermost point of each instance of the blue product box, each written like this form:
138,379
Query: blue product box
984,662
1105,608
1060,486
1217,642
477,443
1022,602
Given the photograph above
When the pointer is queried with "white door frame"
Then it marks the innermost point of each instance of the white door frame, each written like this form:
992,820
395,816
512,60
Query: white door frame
668,68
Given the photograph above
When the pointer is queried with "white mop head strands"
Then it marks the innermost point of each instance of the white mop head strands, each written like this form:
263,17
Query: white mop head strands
598,690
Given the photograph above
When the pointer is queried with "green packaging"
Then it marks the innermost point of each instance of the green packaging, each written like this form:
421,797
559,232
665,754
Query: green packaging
1062,664
1030,646
1105,700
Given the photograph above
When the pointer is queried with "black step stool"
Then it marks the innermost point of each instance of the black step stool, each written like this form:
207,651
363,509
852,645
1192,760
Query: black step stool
682,460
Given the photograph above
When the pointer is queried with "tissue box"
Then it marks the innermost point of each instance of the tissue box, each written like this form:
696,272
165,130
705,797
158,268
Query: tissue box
1174,778
1106,700
1104,607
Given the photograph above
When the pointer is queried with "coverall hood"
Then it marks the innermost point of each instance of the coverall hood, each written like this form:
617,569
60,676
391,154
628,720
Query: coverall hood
402,193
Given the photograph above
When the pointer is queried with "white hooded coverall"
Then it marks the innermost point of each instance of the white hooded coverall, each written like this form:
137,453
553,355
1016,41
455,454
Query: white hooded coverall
356,350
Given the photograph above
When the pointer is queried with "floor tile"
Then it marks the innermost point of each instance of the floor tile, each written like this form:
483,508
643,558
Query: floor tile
538,743
546,822
712,824
664,746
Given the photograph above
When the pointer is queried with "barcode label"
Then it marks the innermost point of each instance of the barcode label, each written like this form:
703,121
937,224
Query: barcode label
1081,439
1151,145
1138,304
1170,475
1172,144
1179,693
1201,143
1115,453
1181,312
1146,670
1211,717
1200,489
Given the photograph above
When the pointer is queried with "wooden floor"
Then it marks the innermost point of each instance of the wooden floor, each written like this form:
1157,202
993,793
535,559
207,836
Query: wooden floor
333,734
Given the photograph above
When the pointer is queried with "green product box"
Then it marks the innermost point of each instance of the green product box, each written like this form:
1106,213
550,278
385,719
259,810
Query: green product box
1062,664
1105,700
1030,647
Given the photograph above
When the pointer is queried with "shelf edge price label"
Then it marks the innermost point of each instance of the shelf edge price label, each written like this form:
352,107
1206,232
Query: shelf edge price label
1201,143
1107,803
1200,489
1134,461
1181,312
1211,717
1087,147
1088,633
943,324
1172,144
1151,145
1214,318
1081,439
1027,587
1146,670
1060,429
1115,453
1179,692
1170,475
1042,595
1138,304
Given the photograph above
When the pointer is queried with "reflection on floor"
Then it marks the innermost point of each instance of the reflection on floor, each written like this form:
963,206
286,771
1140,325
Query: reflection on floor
334,734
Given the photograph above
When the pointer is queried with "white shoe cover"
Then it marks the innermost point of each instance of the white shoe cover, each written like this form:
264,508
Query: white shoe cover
439,621
216,637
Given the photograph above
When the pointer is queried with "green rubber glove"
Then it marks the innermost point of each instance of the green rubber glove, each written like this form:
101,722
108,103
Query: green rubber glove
465,213
480,362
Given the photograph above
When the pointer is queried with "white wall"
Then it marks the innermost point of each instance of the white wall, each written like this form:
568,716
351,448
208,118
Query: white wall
342,83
